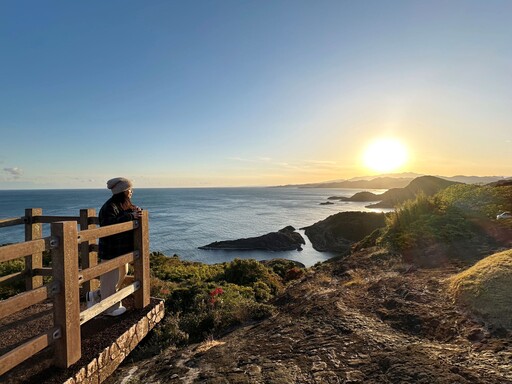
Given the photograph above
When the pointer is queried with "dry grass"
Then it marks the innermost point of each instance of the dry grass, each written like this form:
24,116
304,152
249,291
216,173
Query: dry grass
486,288
208,344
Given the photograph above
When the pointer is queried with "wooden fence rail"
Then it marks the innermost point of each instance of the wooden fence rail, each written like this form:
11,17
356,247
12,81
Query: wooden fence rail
69,248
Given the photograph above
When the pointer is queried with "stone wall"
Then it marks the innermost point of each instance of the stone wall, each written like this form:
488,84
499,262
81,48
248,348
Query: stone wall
109,359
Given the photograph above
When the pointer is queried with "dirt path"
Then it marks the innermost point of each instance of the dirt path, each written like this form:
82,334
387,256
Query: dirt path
367,319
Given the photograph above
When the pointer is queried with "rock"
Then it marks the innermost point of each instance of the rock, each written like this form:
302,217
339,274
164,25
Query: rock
338,232
326,203
359,196
285,239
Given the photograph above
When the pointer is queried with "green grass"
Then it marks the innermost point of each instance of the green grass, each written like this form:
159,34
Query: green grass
486,289
446,218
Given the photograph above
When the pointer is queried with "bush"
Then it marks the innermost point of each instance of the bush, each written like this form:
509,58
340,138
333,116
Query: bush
421,222
475,200
202,299
248,272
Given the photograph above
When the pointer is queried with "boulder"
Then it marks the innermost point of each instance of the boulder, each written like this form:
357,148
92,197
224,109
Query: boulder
285,239
338,232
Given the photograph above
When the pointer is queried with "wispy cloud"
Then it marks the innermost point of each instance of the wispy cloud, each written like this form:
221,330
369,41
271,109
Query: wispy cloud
15,172
321,162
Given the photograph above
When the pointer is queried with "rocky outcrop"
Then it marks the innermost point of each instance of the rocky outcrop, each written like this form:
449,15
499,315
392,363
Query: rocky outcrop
359,196
338,232
285,239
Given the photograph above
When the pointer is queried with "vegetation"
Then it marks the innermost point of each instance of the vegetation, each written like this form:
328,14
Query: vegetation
486,288
453,215
205,300
13,266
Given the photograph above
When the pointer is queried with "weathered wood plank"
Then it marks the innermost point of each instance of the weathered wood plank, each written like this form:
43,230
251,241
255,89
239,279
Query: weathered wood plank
88,257
105,304
141,264
67,301
33,231
54,219
12,277
106,266
12,221
43,271
24,300
25,351
14,251
108,230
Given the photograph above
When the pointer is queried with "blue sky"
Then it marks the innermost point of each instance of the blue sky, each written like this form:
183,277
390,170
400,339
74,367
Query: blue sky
229,93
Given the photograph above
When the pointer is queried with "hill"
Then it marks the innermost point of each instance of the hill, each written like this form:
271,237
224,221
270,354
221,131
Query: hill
428,185
376,183
397,180
368,318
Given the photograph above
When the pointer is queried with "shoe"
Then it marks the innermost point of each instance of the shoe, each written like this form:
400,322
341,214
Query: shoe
117,312
92,298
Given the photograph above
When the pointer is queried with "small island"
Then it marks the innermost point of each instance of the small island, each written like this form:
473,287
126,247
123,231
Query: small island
285,239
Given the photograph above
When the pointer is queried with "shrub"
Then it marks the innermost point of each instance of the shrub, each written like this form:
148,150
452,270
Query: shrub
205,299
248,272
421,222
476,201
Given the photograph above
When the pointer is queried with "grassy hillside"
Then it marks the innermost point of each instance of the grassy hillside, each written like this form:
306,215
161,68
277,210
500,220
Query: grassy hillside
486,289
458,221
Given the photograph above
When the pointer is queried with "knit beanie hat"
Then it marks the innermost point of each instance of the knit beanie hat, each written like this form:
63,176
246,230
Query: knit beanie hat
118,185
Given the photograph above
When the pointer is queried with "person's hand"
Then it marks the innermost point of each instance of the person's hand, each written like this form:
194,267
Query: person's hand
137,213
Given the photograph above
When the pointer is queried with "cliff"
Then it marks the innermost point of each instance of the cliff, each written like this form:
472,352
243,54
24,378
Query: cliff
339,231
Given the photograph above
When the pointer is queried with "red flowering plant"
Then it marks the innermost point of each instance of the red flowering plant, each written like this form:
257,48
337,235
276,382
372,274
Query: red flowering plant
214,295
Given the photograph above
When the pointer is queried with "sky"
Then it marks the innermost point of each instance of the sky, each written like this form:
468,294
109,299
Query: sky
250,93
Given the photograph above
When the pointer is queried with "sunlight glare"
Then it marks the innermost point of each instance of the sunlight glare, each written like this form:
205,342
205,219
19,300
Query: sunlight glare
384,155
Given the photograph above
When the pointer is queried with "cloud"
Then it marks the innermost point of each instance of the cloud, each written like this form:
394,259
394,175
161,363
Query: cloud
14,171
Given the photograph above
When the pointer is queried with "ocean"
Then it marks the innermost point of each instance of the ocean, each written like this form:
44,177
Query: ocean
183,219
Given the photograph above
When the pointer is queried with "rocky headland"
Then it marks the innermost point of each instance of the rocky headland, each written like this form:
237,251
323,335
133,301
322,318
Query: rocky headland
340,231
285,239
427,185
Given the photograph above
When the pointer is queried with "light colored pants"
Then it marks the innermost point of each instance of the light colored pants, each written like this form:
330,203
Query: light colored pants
110,283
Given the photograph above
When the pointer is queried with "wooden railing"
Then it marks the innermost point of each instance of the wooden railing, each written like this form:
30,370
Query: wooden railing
67,245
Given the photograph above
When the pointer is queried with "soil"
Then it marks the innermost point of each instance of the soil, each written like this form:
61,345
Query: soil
368,318
97,334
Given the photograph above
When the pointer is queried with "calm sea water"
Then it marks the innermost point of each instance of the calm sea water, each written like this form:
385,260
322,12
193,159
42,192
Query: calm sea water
181,220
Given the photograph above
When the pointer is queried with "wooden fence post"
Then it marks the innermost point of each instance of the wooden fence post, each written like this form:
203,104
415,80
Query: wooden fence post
88,258
66,311
33,231
141,264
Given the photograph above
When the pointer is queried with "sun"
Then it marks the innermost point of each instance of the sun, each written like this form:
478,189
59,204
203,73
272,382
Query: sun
385,155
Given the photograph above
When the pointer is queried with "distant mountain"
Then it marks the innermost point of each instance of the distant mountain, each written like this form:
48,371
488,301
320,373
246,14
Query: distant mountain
474,179
403,175
393,180
376,183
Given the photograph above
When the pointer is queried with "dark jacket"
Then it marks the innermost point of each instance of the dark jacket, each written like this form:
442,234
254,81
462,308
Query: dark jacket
115,245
